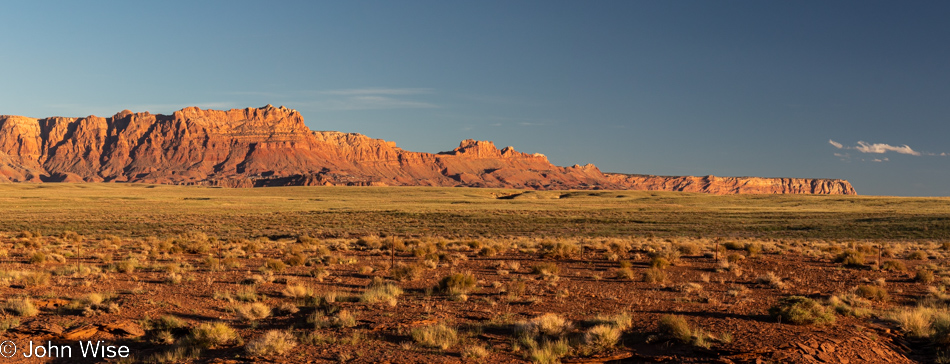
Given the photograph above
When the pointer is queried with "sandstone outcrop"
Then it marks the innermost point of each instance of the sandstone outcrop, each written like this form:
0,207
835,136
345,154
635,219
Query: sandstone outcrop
271,146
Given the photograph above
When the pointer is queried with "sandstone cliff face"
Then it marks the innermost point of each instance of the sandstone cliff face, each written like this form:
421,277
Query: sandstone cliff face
734,185
272,146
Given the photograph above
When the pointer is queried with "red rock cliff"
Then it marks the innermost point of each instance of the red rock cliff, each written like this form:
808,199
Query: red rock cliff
272,146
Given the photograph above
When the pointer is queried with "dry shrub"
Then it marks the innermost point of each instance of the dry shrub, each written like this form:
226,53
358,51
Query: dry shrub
675,327
559,249
771,280
435,336
407,272
800,310
210,335
873,293
621,321
753,249
690,248
275,265
296,260
850,304
22,307
659,262
297,291
625,273
457,284
893,265
253,311
654,275
549,324
917,321
851,258
474,352
381,293
549,352
924,276
602,337
546,269
273,342
733,245
343,318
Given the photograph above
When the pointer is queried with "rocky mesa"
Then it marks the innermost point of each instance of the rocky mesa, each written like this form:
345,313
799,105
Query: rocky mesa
271,146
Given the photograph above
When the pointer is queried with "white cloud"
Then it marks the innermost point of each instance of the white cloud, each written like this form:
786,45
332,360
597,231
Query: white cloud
880,160
878,148
881,148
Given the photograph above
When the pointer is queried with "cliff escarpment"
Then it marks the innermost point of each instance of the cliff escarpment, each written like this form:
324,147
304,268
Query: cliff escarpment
271,146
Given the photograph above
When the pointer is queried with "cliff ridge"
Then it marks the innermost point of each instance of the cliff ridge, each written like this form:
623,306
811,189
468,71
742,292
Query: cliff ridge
271,146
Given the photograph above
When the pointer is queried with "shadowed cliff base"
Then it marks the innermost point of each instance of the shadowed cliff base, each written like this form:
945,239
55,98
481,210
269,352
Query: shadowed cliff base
271,146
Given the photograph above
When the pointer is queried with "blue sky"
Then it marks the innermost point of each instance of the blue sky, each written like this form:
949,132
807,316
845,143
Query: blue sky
729,88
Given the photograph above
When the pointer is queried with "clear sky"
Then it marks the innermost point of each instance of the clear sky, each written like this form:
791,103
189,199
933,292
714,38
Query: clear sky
855,90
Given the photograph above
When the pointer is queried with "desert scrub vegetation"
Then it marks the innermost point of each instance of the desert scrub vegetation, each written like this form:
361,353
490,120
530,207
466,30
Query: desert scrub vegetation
210,335
924,275
772,280
407,272
621,320
380,292
874,293
252,311
297,290
924,322
506,281
602,337
549,325
560,249
654,275
850,304
474,352
625,274
20,307
675,327
893,265
437,336
800,310
546,269
273,342
457,284
543,337
851,258
342,318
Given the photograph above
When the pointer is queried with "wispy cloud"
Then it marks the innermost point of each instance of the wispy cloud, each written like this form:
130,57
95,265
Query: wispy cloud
881,148
878,148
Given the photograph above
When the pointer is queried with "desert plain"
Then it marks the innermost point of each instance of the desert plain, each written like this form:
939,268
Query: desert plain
426,274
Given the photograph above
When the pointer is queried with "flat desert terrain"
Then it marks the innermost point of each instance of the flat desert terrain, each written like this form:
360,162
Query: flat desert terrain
412,274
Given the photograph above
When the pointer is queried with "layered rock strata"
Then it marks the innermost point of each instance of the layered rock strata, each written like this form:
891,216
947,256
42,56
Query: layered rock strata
271,146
